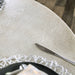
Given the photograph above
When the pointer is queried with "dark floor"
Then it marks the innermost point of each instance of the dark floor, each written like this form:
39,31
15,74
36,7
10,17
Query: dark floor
63,8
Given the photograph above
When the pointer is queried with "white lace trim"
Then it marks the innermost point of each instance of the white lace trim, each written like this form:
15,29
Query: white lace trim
5,61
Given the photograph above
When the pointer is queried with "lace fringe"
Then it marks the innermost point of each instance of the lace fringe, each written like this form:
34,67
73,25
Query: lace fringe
5,61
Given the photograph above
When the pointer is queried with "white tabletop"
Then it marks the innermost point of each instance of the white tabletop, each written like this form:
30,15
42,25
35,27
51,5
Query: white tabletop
26,22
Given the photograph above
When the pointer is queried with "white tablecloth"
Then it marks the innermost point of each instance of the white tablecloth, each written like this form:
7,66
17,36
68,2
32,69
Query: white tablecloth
26,22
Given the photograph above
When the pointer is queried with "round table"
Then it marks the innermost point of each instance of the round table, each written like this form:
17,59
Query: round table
26,22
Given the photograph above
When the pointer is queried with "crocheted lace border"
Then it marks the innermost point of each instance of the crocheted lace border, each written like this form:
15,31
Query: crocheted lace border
5,61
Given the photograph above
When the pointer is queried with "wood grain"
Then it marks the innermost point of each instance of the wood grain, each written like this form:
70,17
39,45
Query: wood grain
73,25
61,2
59,10
68,13
50,3
64,9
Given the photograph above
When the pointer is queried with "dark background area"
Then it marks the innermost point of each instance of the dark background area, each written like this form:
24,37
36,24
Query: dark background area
64,9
